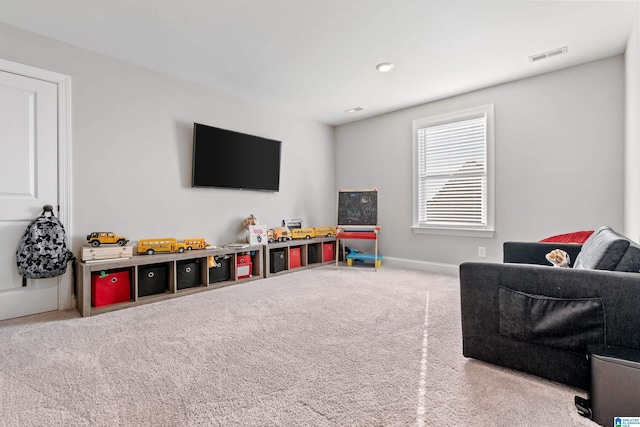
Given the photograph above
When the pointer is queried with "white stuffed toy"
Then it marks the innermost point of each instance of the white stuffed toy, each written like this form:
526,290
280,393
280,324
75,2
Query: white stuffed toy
558,258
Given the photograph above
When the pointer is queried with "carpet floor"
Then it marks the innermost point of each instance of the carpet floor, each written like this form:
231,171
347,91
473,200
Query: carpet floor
318,347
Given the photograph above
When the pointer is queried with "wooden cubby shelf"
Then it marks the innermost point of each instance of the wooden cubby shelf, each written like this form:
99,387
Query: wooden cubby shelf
294,255
163,276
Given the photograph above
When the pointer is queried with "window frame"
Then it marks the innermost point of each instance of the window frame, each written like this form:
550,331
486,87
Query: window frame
470,230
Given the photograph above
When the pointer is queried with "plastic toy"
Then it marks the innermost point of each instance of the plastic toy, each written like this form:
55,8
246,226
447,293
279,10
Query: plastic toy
163,244
302,233
327,231
279,234
106,237
195,243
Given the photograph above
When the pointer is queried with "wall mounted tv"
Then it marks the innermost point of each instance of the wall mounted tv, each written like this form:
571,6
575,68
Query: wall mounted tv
228,159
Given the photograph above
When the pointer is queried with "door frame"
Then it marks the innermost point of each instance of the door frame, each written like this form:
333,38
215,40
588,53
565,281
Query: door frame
66,299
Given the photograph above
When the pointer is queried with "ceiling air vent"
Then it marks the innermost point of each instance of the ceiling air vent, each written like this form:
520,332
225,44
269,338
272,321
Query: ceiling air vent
545,55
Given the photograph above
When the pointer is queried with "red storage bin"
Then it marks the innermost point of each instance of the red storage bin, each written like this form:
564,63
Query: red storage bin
110,287
328,252
244,259
244,270
294,257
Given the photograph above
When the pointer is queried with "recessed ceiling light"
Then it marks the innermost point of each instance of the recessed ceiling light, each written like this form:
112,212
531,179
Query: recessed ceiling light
385,67
354,109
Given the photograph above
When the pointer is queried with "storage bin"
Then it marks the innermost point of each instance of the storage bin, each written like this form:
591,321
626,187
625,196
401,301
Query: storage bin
153,279
188,274
277,261
221,270
328,252
294,257
313,254
110,287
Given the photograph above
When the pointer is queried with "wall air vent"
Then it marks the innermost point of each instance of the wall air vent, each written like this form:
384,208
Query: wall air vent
549,54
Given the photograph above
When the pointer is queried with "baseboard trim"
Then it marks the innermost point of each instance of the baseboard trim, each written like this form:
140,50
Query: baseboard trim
412,264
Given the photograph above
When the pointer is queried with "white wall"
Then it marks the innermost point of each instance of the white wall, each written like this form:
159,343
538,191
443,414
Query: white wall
132,144
632,133
559,161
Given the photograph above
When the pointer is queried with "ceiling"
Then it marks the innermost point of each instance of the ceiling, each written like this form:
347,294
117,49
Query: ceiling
317,58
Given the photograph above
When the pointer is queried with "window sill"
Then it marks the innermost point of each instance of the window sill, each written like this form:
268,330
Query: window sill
458,232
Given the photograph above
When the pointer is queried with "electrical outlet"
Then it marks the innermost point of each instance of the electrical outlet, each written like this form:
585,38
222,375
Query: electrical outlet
482,251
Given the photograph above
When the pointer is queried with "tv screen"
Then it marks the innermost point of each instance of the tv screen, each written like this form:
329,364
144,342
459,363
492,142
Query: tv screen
228,159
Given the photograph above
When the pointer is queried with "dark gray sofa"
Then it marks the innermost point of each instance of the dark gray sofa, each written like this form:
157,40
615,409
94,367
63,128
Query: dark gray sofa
525,314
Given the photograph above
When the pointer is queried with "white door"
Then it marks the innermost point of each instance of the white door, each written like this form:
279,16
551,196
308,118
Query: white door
28,181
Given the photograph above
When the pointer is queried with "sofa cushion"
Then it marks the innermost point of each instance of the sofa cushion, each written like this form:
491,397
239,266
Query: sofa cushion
603,250
630,262
568,324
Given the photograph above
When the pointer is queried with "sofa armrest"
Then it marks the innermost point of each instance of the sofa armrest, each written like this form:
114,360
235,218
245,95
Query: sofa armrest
534,252
620,294
479,297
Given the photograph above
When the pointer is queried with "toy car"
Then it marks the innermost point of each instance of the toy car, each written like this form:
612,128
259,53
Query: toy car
278,234
106,237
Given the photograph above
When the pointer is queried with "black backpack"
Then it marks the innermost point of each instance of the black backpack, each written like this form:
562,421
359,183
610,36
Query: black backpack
43,250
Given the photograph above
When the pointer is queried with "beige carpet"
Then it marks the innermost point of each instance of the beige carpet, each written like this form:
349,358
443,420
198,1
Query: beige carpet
319,347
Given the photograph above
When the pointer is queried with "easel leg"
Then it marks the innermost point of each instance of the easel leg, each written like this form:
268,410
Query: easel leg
375,255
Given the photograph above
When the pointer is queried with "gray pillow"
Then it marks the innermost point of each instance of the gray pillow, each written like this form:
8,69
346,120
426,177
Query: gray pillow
603,250
630,262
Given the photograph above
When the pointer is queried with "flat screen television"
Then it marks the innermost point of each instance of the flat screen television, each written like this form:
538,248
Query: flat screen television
228,159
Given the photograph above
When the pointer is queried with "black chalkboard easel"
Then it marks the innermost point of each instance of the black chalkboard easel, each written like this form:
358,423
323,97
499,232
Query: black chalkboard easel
358,208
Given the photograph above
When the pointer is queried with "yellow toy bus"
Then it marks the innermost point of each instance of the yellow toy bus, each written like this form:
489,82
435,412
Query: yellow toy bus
324,231
195,243
163,244
302,233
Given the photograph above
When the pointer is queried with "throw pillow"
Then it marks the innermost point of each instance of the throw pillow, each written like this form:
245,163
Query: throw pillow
575,237
603,250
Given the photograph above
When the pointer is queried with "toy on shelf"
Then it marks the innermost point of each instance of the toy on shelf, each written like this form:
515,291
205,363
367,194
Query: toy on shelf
278,234
170,244
95,253
281,234
327,231
257,234
246,224
292,223
106,237
162,244
302,233
195,243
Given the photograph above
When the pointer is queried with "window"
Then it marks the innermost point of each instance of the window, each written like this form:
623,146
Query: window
453,173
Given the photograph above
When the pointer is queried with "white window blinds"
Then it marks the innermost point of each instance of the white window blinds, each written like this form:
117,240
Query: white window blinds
452,173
